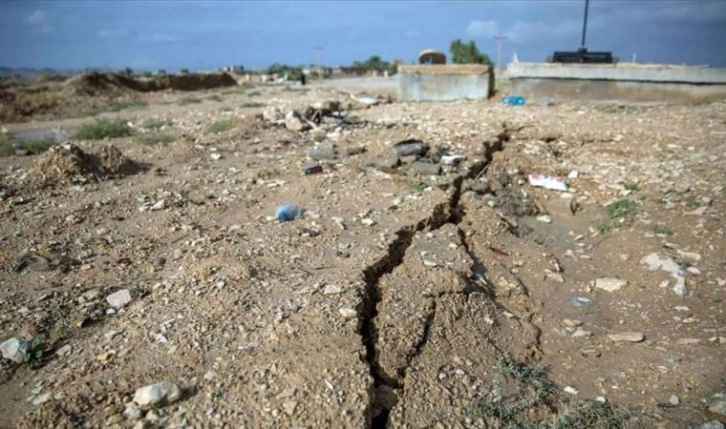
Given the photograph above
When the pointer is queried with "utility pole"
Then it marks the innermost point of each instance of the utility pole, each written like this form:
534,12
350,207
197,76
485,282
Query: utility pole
584,25
499,38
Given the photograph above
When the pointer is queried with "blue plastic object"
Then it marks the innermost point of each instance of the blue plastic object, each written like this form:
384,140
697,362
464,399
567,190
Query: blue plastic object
514,100
286,212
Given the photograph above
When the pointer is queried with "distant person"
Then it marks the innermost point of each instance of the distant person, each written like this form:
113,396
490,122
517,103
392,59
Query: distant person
302,79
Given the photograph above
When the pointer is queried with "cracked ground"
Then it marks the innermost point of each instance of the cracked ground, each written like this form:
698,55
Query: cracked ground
392,300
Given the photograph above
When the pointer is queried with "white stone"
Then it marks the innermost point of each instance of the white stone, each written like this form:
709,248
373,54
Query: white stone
348,313
15,349
157,394
332,290
159,205
133,412
629,337
571,390
610,284
544,219
119,299
42,398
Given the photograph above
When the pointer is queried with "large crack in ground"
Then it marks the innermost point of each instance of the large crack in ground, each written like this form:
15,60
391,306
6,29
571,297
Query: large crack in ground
380,401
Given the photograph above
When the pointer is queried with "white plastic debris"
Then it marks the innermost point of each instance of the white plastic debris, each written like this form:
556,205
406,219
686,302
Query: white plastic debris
547,182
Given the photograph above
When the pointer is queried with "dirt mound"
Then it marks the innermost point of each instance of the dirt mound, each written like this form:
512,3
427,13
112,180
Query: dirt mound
194,82
100,84
68,163
96,84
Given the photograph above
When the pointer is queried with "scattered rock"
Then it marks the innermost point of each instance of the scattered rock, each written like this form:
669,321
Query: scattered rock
119,298
132,412
15,349
657,261
159,205
674,400
544,219
571,390
332,290
294,122
157,394
713,424
609,284
348,313
717,404
42,398
629,337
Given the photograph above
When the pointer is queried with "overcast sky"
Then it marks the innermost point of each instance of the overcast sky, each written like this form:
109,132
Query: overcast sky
204,34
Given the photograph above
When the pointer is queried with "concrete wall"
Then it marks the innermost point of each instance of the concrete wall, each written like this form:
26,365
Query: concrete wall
445,82
632,82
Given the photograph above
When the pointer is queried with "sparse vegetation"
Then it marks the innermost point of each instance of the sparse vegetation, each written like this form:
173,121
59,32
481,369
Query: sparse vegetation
604,228
215,97
416,187
621,208
252,104
155,138
104,128
36,349
156,123
189,100
662,230
222,125
9,147
116,106
517,407
632,187
693,204
254,93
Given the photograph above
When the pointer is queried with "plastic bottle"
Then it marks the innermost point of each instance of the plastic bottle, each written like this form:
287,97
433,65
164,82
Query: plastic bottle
514,100
286,212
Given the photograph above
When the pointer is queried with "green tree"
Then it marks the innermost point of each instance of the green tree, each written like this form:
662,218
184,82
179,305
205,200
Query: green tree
467,53
128,72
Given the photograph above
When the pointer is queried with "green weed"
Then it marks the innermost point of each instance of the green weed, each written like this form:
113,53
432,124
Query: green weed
104,128
222,125
621,208
155,138
662,230
156,123
252,105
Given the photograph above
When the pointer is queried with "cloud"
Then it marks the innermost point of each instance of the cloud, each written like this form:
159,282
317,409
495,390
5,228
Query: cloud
482,29
38,18
160,37
526,31
108,33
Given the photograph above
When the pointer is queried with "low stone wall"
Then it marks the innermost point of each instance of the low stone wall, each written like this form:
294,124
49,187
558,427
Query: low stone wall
445,82
626,81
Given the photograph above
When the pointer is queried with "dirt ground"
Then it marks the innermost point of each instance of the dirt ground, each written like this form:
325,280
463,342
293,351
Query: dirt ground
399,298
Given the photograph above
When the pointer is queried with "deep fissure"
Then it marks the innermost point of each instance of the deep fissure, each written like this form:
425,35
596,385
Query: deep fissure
395,254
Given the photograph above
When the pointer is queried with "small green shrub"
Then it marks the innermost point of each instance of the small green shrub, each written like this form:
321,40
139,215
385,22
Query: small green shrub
31,147
621,208
155,138
222,125
252,105
662,230
215,97
189,100
632,187
693,204
116,106
604,228
104,128
156,123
